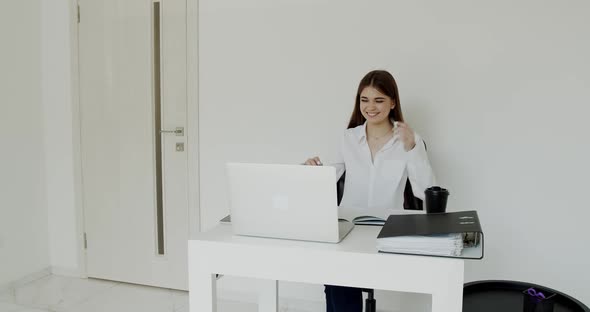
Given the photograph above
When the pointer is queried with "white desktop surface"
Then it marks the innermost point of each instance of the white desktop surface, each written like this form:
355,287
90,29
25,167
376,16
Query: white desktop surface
353,262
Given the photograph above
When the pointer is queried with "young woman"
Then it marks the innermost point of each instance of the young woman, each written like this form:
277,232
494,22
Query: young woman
380,152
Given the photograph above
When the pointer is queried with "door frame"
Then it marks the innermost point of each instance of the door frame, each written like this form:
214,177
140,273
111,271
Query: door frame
192,128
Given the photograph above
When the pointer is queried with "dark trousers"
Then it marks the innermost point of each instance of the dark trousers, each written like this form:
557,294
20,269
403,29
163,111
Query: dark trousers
343,299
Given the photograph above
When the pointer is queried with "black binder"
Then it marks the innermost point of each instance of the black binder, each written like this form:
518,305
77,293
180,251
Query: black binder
465,222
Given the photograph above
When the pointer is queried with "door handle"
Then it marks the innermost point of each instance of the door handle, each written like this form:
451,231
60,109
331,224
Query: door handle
179,131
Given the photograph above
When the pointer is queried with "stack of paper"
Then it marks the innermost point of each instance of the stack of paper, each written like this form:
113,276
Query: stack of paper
447,234
448,245
371,216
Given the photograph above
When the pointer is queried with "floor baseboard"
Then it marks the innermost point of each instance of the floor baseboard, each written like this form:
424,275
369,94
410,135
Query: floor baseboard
67,272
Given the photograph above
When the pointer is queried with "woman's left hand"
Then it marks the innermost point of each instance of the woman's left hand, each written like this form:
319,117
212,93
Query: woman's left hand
405,134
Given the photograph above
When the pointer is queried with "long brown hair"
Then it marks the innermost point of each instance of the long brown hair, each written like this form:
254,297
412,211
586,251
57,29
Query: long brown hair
385,83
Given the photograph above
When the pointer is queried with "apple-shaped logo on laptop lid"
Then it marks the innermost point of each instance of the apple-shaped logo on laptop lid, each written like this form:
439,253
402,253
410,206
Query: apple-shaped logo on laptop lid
280,202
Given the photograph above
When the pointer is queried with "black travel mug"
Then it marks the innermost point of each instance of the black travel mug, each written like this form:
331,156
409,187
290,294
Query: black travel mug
436,199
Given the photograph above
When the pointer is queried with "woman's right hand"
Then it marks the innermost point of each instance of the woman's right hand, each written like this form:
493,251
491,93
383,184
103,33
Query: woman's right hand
315,161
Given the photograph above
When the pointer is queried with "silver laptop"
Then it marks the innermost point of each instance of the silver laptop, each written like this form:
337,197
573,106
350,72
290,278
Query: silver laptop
285,201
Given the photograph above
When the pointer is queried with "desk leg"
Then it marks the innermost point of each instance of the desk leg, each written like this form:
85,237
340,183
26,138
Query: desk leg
203,292
268,298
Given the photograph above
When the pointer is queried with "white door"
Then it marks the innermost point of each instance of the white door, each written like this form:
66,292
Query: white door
133,103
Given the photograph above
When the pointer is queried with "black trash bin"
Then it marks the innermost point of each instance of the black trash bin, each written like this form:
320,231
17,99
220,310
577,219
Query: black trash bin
507,296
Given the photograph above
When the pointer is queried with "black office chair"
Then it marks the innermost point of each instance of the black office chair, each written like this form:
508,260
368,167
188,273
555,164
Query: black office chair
410,203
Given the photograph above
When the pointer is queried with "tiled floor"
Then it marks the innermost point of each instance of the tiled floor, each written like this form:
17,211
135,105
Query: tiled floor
65,294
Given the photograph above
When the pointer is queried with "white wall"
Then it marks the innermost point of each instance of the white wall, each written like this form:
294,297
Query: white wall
23,212
500,90
38,225
59,147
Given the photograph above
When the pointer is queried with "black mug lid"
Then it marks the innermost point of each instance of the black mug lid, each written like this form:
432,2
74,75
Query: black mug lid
437,190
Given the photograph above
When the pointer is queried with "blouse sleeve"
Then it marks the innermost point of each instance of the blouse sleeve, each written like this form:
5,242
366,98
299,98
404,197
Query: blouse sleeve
339,161
419,170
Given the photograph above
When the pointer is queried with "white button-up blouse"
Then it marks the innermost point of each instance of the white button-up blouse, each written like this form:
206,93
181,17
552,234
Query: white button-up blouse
376,187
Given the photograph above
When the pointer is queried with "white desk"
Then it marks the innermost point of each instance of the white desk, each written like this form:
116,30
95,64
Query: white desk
353,262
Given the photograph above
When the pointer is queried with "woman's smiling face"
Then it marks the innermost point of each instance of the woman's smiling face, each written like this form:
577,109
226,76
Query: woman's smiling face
375,106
